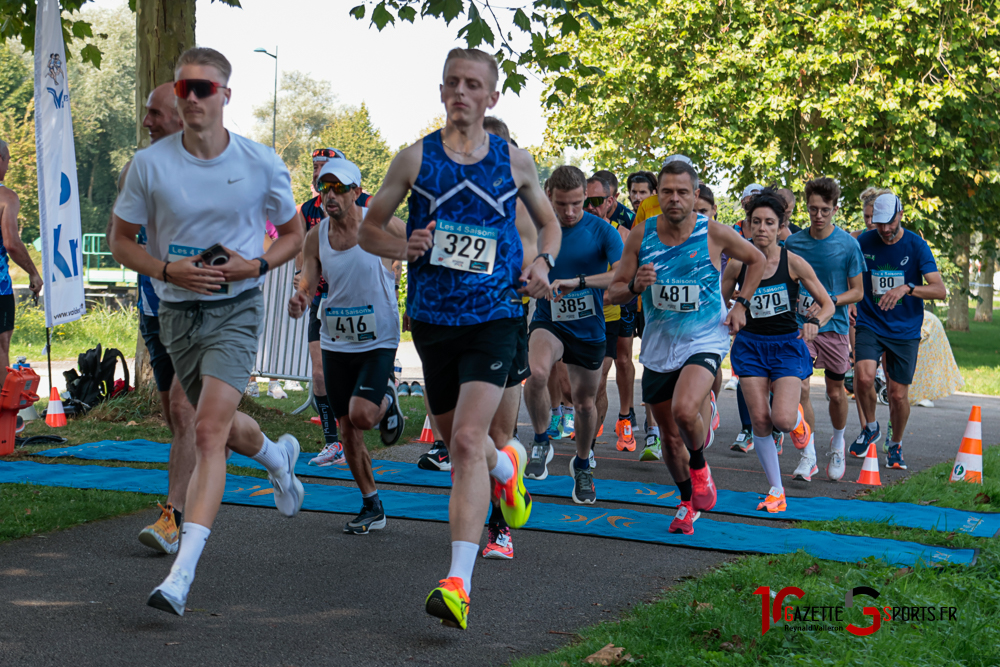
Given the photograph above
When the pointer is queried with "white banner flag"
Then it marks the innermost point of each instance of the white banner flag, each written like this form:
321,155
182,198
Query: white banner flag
58,194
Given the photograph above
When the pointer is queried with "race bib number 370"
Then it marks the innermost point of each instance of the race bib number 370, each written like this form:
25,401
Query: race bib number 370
883,281
464,247
680,296
574,306
769,301
351,325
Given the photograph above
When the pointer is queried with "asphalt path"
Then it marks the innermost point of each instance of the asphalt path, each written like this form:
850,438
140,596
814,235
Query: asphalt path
273,591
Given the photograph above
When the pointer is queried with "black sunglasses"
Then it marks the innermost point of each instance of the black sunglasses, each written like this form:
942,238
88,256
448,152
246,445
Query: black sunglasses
594,202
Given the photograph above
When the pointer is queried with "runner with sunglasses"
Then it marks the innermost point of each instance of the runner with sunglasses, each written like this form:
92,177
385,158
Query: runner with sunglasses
359,329
206,186
464,297
769,353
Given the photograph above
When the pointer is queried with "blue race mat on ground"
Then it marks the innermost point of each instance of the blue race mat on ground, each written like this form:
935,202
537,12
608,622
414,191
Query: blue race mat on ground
591,521
737,503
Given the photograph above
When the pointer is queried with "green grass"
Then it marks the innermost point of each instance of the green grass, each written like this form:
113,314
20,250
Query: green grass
716,618
104,325
977,353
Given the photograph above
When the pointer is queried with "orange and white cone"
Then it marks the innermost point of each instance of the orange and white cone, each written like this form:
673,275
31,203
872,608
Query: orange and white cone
55,416
969,460
426,435
869,469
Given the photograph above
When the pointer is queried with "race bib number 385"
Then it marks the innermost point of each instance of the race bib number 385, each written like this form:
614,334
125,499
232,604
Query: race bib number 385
351,325
464,247
883,281
680,296
574,306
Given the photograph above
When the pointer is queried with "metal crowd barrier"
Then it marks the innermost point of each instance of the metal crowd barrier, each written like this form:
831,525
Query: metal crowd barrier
283,348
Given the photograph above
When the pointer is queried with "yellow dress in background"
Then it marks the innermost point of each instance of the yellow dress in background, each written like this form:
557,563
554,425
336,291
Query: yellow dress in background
937,374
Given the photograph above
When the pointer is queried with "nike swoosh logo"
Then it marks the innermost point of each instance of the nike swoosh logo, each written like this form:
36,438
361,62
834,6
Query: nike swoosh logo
235,180
520,372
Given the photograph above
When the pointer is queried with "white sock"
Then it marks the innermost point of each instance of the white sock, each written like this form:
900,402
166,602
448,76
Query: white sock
504,469
370,495
653,430
557,412
838,443
271,456
872,426
463,558
810,450
193,538
767,453
567,409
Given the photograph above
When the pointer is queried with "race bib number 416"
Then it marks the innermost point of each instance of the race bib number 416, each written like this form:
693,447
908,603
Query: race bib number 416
680,296
464,247
351,325
176,252
574,306
883,281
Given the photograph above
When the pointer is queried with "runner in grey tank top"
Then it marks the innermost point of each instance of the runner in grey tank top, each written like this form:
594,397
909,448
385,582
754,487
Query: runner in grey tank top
359,328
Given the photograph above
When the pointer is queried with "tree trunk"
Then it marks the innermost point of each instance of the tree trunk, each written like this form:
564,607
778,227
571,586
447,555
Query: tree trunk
958,298
984,309
164,29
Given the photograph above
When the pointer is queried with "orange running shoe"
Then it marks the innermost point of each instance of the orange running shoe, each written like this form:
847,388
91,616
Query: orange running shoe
450,603
164,534
802,433
775,501
703,494
600,432
626,441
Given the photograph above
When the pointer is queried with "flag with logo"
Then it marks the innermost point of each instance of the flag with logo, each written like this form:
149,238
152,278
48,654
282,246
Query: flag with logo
58,195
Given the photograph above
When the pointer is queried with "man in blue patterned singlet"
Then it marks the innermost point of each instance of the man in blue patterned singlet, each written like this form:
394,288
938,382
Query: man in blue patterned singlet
673,261
464,296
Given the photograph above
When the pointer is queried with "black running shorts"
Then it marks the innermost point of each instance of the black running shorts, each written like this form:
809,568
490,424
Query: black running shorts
575,352
362,374
313,336
519,370
6,312
659,387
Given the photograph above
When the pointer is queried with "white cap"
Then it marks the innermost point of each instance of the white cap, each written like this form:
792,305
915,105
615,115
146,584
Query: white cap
677,157
885,208
751,190
346,171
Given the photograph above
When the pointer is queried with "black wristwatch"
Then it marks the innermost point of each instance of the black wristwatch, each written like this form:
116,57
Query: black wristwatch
813,320
743,302
583,281
631,287
549,261
912,287
264,266
834,298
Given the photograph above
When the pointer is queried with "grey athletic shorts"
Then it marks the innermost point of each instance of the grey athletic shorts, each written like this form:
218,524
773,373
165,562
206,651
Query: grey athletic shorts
214,338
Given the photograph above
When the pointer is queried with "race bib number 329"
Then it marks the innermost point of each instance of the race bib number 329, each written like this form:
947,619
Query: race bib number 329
464,247
351,325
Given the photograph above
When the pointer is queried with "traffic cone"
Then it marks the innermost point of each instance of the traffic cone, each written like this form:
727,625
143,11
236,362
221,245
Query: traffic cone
427,434
55,416
969,460
869,469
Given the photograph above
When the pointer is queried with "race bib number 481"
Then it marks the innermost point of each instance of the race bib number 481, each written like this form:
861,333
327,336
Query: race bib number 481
574,306
883,281
680,296
176,252
464,247
351,325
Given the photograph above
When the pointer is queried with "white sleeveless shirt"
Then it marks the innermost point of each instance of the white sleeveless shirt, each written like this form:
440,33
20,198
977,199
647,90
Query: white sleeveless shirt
360,311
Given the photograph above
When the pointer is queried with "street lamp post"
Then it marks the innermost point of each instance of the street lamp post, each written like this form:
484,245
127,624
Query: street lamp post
274,114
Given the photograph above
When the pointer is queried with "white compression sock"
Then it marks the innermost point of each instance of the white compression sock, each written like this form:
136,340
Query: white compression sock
838,443
504,469
271,456
810,450
463,558
193,538
871,426
567,409
768,455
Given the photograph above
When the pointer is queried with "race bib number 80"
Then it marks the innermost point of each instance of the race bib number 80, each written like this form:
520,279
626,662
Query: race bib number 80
883,281
351,325
574,306
464,247
680,296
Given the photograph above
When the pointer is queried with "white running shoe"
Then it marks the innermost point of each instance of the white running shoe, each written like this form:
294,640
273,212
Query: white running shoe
332,454
733,382
836,467
293,385
288,490
171,595
252,389
806,469
274,390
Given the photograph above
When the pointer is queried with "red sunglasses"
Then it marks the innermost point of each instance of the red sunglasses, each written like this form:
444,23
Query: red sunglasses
201,88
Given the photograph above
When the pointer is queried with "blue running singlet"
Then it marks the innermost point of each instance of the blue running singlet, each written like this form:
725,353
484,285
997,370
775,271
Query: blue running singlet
685,312
474,209
6,285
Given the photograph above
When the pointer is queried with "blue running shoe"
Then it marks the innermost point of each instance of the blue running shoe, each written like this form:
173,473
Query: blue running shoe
554,431
860,446
895,459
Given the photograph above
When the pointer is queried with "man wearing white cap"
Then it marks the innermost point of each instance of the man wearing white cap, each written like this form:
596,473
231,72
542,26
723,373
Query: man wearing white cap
901,273
359,327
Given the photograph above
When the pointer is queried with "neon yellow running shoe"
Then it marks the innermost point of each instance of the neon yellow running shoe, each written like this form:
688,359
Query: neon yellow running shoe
515,501
450,603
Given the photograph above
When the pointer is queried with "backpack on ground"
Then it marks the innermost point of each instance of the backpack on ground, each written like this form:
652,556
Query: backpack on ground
95,381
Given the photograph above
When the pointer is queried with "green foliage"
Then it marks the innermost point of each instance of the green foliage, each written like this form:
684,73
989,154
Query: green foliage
16,84
19,133
977,353
352,131
305,106
101,324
